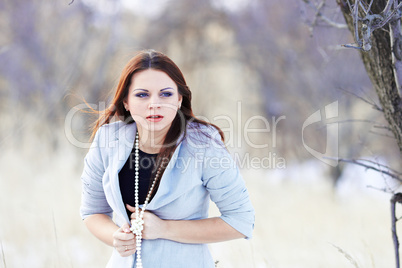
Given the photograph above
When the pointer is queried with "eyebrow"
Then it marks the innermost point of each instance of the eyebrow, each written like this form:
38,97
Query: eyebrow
146,90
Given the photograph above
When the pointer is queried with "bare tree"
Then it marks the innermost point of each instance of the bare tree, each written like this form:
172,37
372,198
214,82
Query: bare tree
376,27
52,49
377,31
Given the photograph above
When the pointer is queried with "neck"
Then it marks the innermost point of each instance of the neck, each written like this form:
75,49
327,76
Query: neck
151,141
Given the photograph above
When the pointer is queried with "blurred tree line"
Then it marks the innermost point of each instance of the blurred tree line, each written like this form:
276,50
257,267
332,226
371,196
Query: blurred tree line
260,58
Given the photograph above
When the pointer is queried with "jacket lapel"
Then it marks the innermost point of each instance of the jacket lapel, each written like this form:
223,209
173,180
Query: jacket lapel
164,194
120,146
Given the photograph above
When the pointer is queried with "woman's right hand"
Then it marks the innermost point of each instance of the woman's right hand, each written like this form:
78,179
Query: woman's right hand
124,241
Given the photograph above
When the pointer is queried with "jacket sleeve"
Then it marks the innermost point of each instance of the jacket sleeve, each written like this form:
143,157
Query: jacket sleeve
93,199
227,189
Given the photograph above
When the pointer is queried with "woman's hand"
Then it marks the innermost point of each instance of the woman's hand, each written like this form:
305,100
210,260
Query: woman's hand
154,227
201,231
124,241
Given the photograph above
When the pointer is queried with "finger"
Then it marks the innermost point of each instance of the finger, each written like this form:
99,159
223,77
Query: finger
119,243
124,236
127,253
125,228
127,250
130,208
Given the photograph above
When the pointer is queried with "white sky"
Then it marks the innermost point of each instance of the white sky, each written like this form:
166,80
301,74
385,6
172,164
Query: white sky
154,7
145,7
151,8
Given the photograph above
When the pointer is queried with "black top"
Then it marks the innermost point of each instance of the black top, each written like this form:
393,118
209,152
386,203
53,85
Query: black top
127,178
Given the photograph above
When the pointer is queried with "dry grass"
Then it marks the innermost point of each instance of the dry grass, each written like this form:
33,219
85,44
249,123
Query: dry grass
299,222
306,224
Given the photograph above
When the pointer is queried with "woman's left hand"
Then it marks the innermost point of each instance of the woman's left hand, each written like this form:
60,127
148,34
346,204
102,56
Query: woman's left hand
154,227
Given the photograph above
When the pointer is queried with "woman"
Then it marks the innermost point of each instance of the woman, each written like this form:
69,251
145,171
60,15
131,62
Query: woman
155,169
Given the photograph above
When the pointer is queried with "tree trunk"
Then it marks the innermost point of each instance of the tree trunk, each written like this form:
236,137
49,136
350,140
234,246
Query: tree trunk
381,69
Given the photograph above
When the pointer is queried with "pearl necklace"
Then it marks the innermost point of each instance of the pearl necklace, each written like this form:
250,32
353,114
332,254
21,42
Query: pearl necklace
137,225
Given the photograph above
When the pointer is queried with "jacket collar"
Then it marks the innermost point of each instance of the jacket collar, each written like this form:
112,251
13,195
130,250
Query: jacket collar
121,144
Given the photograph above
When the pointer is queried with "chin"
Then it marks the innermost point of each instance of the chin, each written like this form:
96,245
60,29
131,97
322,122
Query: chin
156,127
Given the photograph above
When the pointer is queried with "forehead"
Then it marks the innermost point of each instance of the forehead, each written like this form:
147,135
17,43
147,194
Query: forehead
151,79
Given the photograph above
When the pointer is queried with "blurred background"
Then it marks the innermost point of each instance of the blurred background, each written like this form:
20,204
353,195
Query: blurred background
251,64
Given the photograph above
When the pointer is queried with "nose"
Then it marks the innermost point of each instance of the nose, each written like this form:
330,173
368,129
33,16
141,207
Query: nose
154,102
154,105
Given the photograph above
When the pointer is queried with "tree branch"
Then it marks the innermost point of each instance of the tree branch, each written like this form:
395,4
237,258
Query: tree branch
385,190
319,14
388,171
374,105
387,7
371,22
396,198
384,127
381,165
369,7
389,17
351,46
362,121
366,11
383,135
356,16
396,43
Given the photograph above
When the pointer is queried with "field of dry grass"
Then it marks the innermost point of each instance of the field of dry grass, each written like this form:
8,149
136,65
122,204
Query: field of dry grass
308,225
300,220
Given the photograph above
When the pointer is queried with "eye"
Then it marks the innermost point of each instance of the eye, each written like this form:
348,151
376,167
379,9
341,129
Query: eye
141,95
166,94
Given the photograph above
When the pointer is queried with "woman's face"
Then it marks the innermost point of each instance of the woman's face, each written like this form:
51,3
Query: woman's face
153,100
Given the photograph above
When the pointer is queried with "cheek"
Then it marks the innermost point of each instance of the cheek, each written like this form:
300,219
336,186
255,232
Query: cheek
136,106
171,109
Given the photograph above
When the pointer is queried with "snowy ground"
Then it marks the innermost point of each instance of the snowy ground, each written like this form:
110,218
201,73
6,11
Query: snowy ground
300,220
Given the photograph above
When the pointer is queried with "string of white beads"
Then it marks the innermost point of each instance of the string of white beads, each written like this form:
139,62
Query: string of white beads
137,225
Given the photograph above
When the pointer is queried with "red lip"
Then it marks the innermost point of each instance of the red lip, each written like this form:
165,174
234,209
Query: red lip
154,116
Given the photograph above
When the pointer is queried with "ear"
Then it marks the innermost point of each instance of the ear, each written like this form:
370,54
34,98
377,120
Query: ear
180,100
125,103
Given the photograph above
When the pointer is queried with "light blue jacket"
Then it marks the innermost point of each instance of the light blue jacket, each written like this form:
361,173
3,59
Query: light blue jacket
200,169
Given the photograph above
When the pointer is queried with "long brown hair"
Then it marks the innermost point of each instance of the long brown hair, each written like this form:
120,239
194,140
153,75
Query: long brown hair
151,59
